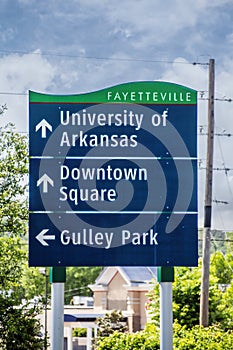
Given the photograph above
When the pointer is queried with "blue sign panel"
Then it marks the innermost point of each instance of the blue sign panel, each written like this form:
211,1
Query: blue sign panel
77,129
66,243
85,185
113,177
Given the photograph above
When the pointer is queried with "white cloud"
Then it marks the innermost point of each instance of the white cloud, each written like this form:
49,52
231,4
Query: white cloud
182,72
150,29
21,72
151,22
18,74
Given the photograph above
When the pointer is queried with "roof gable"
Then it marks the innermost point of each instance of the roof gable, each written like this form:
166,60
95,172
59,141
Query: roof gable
131,275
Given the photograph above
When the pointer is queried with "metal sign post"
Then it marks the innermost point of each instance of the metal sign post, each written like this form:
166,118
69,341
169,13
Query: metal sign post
57,306
57,278
165,279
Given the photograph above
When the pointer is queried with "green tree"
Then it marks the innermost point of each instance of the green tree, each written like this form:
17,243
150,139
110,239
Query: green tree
197,338
186,298
11,263
202,338
110,323
226,307
13,207
33,283
77,281
19,328
13,171
221,267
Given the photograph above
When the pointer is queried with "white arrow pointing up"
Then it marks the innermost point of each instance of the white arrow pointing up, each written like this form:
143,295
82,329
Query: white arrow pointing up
43,125
45,180
42,237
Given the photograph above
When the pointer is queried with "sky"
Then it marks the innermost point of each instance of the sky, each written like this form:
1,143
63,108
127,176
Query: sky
78,46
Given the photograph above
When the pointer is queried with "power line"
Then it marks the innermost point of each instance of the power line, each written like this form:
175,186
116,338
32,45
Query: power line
226,173
215,134
57,54
202,94
203,132
219,202
217,99
218,169
13,93
217,240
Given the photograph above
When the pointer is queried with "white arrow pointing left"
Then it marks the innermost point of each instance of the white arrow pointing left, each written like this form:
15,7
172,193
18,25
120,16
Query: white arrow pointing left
45,180
42,237
43,125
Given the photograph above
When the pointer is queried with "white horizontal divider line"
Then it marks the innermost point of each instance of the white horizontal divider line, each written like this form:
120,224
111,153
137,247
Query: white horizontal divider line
112,212
112,158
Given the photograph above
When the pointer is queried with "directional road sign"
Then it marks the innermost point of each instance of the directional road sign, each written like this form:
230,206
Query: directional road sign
113,177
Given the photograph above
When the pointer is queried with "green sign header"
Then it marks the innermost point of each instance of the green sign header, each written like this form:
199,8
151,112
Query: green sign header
141,92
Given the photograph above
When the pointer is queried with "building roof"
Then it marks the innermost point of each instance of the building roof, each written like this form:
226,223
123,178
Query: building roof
82,317
132,275
140,274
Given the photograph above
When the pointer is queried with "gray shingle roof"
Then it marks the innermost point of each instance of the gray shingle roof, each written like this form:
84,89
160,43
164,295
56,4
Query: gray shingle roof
140,274
132,275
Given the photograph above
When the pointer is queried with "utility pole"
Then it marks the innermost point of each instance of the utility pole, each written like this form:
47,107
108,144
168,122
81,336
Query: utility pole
204,299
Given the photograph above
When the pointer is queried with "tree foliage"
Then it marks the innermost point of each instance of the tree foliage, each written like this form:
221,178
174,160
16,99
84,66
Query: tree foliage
13,170
33,283
186,295
13,206
221,266
196,338
78,279
19,328
110,323
130,341
201,338
11,266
